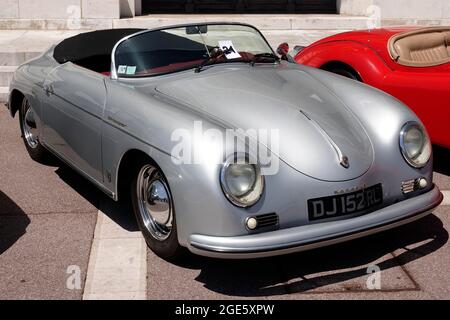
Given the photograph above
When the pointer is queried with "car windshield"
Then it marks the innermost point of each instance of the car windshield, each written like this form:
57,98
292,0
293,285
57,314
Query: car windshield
169,50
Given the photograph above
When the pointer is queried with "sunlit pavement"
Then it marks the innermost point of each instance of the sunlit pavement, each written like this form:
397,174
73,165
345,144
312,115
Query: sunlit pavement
413,263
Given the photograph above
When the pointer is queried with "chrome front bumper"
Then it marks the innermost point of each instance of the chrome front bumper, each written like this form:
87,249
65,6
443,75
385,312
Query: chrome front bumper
317,235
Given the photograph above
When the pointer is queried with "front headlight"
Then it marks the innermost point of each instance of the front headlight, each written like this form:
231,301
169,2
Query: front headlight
241,181
415,144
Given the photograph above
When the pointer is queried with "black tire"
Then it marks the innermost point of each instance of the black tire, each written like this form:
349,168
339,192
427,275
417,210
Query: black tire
35,149
167,248
346,73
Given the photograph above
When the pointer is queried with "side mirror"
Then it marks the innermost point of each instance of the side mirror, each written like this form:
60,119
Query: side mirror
283,51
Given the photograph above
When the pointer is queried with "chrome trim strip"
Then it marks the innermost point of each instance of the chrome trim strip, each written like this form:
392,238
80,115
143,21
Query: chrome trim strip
343,159
216,252
259,178
406,126
233,253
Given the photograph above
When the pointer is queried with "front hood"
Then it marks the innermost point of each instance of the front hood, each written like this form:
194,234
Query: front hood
314,126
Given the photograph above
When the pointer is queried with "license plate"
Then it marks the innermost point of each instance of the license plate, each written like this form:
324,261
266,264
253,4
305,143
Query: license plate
345,204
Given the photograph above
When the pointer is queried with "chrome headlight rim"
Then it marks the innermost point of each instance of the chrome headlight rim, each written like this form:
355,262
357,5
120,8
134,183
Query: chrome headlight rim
425,143
257,189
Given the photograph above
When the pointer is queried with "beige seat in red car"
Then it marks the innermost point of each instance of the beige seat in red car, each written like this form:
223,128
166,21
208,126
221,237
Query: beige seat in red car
421,48
447,41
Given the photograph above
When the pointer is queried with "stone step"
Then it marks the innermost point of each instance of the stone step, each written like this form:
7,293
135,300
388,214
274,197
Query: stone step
261,21
6,74
55,24
4,94
296,37
15,58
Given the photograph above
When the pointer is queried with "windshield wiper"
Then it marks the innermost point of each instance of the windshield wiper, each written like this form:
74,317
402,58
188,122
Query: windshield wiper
215,53
264,56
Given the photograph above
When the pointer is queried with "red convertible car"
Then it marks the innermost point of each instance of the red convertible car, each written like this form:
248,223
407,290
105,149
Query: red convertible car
411,64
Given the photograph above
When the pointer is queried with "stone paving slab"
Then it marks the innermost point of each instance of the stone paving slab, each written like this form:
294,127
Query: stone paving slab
427,255
47,219
118,262
340,271
37,250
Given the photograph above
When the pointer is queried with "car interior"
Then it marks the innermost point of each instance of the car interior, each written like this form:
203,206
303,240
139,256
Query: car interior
421,48
168,52
91,50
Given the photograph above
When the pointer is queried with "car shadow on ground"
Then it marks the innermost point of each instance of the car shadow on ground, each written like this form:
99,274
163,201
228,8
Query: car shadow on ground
325,267
119,212
13,222
295,273
441,160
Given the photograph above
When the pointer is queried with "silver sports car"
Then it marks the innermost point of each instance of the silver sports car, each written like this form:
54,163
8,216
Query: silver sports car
221,145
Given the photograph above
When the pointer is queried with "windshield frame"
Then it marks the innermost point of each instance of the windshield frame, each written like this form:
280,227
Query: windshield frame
114,75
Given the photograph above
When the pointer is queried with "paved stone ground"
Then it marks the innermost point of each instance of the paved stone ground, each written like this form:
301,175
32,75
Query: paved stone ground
47,220
414,262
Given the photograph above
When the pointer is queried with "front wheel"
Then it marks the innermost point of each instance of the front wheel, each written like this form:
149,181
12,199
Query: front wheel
154,210
29,130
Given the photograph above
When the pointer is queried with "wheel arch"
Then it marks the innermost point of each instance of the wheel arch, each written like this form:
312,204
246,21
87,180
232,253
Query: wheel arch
125,166
368,63
15,101
336,64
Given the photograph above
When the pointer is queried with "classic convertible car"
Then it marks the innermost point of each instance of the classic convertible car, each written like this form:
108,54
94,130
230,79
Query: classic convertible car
412,64
348,160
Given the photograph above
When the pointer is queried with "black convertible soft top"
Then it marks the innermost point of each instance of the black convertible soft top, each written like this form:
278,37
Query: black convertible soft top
91,49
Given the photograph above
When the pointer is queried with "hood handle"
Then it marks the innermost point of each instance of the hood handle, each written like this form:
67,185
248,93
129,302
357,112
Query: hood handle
342,158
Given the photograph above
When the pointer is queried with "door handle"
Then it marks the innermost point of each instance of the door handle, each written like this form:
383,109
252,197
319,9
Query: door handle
49,90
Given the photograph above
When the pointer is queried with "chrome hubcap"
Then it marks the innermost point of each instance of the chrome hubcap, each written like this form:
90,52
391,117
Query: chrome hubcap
29,125
155,203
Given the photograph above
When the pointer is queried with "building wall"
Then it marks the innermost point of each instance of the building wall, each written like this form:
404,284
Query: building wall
397,9
113,9
67,9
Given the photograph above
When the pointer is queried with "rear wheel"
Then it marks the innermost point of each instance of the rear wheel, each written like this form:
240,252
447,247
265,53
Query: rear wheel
29,131
153,206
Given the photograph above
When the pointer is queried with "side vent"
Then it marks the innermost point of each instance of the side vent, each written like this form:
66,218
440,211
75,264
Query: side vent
414,185
408,186
267,220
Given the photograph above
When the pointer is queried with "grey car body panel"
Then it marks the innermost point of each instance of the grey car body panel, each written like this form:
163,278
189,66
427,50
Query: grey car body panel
97,120
73,116
290,96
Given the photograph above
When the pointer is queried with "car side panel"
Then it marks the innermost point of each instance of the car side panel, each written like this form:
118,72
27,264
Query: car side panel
370,66
28,80
428,95
72,114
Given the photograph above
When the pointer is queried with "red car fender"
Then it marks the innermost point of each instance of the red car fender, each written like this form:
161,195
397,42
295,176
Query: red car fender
363,59
428,95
